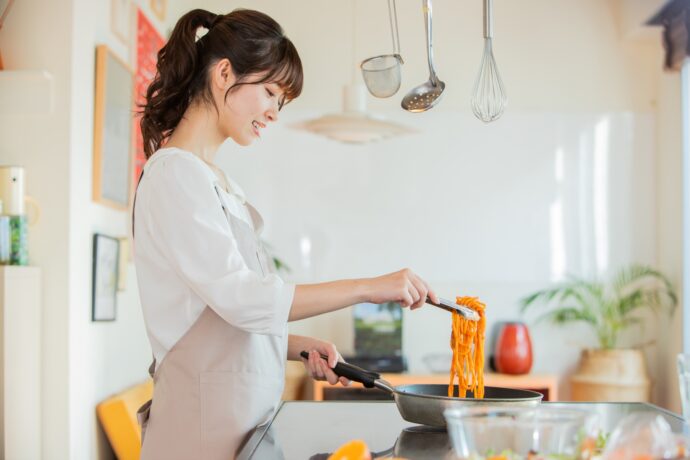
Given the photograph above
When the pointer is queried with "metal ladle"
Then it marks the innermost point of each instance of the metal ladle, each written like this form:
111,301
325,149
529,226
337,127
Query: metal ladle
426,95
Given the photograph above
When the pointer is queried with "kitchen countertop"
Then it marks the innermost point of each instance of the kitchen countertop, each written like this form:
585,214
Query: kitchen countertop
307,430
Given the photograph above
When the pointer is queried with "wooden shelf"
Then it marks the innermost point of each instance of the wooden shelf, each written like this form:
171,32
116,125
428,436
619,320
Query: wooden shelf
543,383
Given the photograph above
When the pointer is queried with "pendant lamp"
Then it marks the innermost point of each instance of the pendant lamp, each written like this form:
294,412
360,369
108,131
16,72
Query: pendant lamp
354,125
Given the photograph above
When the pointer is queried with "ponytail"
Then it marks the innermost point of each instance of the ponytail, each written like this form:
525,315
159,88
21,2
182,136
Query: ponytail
252,41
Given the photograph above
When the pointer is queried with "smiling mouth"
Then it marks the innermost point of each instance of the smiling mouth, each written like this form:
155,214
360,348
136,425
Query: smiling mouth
257,125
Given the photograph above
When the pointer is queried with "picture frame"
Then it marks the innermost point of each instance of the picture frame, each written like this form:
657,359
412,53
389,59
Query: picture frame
113,127
148,42
5,6
121,20
105,274
158,7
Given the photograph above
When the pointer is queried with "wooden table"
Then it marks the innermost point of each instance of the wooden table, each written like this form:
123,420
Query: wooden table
545,384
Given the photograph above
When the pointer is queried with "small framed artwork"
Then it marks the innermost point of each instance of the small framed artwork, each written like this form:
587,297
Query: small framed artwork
113,140
158,8
106,254
120,20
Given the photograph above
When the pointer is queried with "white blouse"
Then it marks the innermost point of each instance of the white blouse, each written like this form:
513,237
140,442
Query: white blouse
186,256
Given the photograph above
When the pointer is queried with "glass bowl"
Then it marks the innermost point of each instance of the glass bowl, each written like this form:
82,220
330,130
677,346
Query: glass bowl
482,432
645,436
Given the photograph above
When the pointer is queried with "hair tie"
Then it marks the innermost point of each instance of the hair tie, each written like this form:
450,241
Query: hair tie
215,21
208,25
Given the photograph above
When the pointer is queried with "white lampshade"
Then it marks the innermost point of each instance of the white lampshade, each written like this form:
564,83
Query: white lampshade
353,125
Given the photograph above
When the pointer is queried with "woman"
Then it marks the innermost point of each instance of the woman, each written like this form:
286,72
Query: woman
216,313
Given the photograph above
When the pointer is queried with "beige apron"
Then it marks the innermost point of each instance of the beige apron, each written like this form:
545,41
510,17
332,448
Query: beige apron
217,382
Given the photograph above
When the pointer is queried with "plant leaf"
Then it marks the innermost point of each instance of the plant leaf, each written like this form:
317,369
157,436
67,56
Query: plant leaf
608,308
643,286
564,315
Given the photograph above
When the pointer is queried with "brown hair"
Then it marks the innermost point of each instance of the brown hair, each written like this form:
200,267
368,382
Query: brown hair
252,41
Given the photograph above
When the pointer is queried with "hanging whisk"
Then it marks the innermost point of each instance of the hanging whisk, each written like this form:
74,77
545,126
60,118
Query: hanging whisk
489,99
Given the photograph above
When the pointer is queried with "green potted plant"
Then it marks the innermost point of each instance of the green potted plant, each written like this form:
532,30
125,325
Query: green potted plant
607,372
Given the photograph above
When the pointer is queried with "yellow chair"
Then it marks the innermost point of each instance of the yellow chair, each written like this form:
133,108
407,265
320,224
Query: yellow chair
118,416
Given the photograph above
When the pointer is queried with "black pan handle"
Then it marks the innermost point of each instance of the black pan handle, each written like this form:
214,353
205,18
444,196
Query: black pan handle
350,371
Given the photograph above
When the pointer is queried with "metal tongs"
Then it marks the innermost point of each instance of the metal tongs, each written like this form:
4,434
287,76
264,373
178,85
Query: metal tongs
447,305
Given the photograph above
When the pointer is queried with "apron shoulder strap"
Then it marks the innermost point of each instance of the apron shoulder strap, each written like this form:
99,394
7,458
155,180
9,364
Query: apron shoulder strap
152,368
134,200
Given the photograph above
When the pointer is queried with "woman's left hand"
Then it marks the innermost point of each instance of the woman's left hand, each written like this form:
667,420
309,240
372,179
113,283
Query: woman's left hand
316,366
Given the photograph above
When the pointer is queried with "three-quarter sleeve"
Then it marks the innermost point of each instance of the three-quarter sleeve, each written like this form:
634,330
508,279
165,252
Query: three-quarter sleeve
193,232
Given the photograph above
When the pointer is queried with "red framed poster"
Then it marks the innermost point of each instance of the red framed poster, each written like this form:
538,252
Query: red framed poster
149,42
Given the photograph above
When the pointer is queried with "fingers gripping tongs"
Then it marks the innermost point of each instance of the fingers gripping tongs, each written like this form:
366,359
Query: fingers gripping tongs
447,305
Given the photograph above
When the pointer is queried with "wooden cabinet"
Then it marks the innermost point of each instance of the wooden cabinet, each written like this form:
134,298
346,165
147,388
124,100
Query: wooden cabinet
544,384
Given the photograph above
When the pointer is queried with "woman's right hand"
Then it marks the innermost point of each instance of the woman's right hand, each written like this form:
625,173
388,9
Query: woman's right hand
404,287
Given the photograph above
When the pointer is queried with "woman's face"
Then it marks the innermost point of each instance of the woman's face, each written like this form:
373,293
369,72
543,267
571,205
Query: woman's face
248,110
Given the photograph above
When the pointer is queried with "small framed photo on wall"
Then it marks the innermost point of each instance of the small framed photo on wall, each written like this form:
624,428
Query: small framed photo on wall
121,20
106,255
158,8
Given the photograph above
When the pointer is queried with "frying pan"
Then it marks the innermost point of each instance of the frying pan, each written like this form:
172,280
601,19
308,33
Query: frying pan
424,404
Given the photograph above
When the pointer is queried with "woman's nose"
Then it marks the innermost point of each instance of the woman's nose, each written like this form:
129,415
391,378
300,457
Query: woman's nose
272,114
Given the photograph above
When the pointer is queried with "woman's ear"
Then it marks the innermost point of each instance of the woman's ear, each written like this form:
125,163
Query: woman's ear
222,76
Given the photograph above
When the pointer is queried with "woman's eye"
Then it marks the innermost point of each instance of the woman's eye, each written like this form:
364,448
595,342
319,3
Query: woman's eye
270,93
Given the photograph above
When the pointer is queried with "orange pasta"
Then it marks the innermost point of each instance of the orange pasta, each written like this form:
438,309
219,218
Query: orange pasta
467,343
